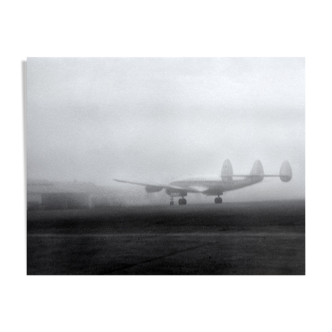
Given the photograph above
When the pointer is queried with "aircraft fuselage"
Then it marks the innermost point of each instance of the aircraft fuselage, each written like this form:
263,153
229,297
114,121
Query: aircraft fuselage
215,187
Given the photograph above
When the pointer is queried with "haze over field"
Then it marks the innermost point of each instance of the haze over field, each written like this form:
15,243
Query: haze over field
156,119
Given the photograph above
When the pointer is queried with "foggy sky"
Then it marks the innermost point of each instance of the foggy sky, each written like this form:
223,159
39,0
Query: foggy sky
156,119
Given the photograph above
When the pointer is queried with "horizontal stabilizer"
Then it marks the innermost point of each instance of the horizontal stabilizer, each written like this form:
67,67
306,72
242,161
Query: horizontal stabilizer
257,171
227,175
285,173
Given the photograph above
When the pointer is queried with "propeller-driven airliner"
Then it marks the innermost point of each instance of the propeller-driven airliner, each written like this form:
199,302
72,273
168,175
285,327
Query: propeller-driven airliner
215,187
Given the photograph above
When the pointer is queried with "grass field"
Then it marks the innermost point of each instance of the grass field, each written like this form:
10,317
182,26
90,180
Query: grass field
265,238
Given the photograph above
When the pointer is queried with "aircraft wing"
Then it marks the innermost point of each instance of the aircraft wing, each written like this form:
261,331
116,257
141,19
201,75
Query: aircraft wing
159,186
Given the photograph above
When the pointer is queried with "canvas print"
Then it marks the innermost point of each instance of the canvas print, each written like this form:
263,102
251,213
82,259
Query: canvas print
165,166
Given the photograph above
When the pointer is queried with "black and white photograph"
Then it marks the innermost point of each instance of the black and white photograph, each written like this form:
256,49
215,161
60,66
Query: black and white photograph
165,166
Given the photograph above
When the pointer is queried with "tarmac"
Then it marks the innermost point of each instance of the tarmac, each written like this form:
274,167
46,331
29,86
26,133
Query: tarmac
254,238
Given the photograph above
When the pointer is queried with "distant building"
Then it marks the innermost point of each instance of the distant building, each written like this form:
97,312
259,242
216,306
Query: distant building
67,195
61,201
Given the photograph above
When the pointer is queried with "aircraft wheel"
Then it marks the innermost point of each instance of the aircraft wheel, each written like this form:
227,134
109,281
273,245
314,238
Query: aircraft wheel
182,201
218,200
171,203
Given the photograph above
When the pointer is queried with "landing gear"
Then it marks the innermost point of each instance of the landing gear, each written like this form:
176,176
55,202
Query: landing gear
218,200
177,193
182,201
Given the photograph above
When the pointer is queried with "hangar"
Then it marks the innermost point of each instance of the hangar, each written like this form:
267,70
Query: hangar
47,195
61,201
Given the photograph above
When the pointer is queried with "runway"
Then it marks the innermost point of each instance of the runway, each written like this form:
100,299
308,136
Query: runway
265,238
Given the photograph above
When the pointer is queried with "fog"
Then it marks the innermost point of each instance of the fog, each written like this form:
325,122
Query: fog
157,119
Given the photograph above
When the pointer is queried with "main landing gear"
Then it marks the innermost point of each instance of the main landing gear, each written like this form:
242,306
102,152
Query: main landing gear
218,200
182,201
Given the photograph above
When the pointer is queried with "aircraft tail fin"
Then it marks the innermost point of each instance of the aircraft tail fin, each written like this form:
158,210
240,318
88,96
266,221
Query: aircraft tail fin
227,171
257,170
285,173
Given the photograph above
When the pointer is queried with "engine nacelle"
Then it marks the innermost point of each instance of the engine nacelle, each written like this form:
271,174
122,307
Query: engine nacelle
153,189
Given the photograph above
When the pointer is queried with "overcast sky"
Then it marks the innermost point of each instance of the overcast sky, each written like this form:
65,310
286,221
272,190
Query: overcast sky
95,119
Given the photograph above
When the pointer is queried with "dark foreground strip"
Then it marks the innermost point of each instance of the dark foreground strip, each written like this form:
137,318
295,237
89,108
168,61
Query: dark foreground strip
111,271
199,234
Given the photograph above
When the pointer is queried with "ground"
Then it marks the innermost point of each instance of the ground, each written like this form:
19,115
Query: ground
257,238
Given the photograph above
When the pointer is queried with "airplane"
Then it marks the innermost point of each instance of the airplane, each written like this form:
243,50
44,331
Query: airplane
215,187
